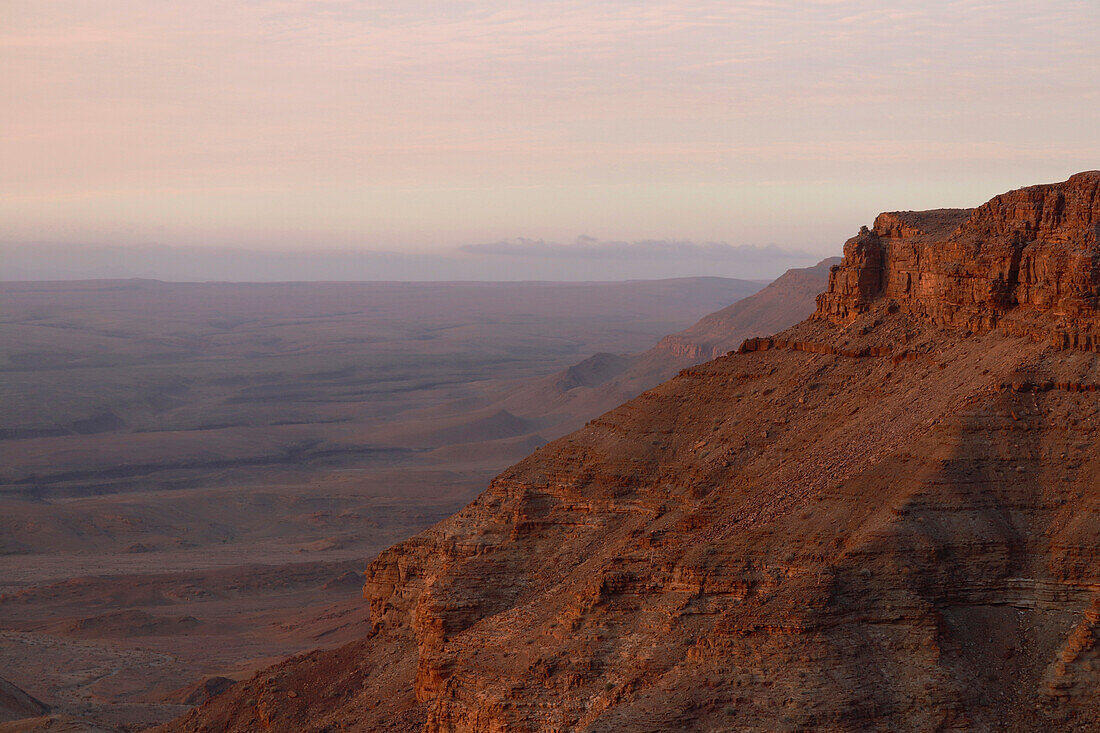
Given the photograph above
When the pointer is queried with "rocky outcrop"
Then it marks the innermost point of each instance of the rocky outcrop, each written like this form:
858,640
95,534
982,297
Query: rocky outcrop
874,520
1027,262
202,691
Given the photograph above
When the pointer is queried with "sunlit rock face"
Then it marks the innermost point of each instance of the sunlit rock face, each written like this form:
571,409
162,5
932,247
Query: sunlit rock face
1027,261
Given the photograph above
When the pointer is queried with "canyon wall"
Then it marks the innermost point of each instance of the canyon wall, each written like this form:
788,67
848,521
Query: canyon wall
1026,262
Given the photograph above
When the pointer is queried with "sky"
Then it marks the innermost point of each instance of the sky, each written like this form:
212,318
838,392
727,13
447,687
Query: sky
488,139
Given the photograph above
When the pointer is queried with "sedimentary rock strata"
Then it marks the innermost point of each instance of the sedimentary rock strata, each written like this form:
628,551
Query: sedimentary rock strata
1026,262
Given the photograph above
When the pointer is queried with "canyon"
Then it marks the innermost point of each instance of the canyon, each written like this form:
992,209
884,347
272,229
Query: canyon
884,517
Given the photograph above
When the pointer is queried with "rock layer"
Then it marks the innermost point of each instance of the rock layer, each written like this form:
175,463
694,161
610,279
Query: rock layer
884,518
1026,262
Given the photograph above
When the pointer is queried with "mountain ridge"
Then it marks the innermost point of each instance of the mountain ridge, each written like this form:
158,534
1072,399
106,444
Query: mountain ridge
563,401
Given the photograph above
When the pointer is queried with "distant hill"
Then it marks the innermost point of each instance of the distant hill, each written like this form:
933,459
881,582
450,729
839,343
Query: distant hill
15,704
564,401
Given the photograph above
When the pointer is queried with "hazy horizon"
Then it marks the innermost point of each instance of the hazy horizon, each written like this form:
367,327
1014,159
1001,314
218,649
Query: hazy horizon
746,137
503,261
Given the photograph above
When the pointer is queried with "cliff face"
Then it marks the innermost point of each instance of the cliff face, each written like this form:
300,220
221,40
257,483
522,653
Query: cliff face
1026,262
886,517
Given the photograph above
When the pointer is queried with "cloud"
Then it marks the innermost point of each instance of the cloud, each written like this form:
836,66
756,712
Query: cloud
590,248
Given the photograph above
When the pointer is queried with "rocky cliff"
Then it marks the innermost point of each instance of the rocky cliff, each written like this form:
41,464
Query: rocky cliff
884,518
1026,262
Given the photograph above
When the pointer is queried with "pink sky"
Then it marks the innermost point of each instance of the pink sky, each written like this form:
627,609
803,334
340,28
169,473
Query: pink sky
417,125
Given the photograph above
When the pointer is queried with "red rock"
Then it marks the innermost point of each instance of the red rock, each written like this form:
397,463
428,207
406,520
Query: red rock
1027,262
